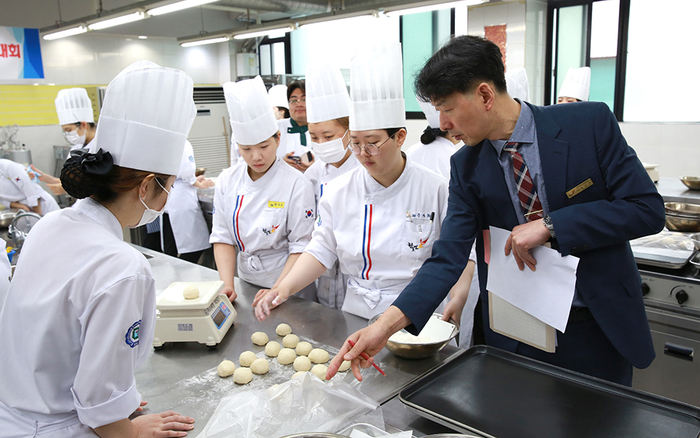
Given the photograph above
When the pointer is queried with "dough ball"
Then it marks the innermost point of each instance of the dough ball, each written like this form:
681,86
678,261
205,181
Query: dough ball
286,356
320,371
273,348
226,368
283,329
242,376
304,348
345,365
302,363
246,358
260,366
259,338
298,373
190,292
319,355
290,341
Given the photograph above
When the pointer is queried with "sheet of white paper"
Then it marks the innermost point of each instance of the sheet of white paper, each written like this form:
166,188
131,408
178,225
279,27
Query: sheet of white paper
546,293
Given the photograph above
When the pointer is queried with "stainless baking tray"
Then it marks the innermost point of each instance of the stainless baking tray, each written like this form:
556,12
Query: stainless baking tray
660,261
494,393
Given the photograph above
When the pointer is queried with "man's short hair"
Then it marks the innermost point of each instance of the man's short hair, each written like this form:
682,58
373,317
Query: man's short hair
293,86
459,66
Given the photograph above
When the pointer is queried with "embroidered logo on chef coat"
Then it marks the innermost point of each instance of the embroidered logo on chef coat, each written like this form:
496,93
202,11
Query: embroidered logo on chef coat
415,247
191,158
271,230
275,204
17,179
318,220
132,335
308,214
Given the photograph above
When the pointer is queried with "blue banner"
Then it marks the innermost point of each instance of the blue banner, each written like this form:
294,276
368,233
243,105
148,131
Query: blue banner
20,53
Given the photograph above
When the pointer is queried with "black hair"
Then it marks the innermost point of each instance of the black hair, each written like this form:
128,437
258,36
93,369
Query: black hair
293,86
285,111
391,131
430,134
79,183
459,66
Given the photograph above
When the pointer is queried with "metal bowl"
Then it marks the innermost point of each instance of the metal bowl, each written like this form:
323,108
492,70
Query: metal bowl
682,217
6,217
692,182
418,351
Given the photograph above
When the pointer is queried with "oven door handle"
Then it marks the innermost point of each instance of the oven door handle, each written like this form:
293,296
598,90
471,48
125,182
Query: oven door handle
678,351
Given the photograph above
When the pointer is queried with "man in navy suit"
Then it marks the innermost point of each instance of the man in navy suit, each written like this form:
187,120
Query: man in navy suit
594,193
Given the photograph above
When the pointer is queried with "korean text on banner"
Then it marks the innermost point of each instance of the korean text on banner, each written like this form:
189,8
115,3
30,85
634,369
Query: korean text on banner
20,53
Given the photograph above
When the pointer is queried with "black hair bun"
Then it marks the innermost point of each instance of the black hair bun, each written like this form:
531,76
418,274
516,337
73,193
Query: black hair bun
75,180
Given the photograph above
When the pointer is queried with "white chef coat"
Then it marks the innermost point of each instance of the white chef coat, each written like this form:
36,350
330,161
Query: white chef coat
186,217
379,235
267,220
16,186
73,336
5,271
291,142
435,155
332,283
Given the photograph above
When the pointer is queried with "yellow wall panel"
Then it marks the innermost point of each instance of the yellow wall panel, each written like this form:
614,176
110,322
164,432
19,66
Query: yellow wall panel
32,105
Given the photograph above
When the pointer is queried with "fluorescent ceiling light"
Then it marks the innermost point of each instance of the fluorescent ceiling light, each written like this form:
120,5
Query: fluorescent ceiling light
65,33
135,16
178,6
272,33
203,42
434,7
143,37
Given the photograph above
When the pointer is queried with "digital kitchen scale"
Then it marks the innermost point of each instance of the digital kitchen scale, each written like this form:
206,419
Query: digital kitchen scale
205,319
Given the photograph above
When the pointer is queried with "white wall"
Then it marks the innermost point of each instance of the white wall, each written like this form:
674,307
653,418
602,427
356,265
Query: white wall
670,145
513,16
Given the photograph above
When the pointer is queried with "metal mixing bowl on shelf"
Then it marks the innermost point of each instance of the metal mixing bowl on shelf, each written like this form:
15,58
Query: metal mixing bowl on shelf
682,217
692,182
7,215
414,350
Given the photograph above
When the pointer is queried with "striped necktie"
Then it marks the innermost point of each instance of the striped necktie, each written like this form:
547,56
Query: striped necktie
529,201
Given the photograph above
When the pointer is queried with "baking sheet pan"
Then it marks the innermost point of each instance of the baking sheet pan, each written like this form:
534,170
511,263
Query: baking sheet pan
499,394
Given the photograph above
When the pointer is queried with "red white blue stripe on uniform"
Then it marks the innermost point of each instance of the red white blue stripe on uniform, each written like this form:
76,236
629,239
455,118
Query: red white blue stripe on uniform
236,232
366,238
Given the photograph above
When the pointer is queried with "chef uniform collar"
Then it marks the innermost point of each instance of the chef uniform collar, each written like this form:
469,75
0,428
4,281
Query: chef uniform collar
517,84
250,111
326,94
431,113
73,105
278,96
376,88
147,113
577,83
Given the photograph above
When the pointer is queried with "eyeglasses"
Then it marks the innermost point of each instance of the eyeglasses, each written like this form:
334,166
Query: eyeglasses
371,148
162,186
298,101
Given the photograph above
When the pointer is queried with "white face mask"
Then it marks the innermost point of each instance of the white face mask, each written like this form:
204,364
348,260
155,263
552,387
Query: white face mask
74,138
149,215
331,151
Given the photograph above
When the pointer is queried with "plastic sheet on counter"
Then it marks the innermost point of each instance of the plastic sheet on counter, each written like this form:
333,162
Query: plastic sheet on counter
665,243
303,404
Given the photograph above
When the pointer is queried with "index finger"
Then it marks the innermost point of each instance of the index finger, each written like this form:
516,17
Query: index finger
258,296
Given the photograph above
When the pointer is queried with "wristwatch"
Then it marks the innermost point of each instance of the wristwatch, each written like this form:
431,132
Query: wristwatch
547,221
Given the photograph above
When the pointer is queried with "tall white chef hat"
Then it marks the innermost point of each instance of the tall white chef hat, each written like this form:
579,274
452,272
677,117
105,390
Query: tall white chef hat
376,88
147,113
250,111
278,96
577,83
73,106
517,84
431,113
326,94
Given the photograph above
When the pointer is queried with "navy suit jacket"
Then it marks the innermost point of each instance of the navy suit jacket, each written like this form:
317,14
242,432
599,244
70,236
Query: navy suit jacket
577,141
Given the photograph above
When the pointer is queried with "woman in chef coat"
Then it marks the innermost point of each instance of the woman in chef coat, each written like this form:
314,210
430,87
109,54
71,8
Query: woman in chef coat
263,209
328,111
379,221
278,98
295,140
77,120
18,191
80,313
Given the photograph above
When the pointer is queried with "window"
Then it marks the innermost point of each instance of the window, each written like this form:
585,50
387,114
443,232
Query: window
275,56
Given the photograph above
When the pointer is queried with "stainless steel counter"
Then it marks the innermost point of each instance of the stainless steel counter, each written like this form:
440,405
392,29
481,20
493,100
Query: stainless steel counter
673,190
167,368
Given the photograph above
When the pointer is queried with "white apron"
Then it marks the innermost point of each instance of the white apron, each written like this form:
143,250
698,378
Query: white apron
380,236
186,217
332,283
